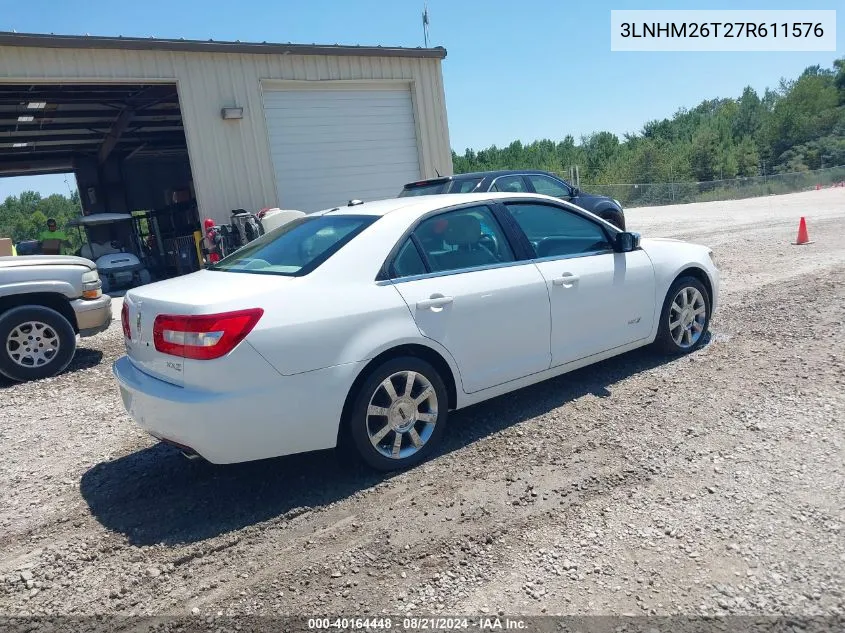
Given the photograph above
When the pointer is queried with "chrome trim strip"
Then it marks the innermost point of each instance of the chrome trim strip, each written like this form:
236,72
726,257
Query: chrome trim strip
449,273
524,262
552,258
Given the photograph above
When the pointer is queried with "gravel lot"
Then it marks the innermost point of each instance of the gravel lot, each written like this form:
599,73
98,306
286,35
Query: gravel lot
714,483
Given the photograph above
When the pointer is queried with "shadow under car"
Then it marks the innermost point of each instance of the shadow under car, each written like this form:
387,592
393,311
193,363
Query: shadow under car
155,495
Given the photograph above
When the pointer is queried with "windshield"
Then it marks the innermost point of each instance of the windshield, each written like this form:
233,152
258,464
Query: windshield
295,248
424,190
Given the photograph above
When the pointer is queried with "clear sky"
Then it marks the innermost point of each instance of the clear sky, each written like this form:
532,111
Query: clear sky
515,70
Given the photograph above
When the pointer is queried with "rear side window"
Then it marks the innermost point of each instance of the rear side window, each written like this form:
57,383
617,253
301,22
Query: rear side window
461,239
408,261
296,248
510,184
464,186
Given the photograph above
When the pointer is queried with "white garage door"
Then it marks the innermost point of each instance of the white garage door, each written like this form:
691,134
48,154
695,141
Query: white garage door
332,146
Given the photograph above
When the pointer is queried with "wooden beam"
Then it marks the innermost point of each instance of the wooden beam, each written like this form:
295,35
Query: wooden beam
26,167
173,136
135,151
120,124
101,127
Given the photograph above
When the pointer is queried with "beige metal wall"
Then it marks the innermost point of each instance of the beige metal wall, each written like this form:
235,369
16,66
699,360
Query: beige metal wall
230,160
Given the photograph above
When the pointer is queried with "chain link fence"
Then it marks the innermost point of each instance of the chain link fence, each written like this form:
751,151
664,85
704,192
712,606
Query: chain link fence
661,193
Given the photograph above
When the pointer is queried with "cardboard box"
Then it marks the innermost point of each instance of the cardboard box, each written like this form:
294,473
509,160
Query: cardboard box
51,247
5,247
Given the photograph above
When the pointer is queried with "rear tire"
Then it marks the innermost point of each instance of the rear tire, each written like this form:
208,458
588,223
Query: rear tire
396,423
35,342
685,317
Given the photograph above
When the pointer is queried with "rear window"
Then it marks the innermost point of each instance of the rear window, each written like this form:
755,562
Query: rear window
424,190
296,248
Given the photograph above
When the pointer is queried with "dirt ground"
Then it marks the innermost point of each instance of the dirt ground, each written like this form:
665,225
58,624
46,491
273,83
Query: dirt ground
709,484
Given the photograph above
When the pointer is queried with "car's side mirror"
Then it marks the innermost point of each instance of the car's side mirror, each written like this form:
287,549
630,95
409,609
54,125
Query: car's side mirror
627,242
575,192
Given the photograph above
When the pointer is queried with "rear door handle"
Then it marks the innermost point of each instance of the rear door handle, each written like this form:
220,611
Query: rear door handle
433,302
566,279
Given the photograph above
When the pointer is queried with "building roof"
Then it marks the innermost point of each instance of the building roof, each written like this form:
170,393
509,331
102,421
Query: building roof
41,40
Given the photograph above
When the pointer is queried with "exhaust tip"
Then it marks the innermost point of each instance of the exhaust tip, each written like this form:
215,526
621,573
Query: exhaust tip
186,451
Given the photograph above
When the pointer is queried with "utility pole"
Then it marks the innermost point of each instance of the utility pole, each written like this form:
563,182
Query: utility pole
425,23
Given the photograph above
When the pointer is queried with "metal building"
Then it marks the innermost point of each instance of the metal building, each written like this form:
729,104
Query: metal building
150,122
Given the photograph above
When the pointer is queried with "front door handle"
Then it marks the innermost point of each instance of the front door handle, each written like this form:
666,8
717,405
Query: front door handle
433,302
567,280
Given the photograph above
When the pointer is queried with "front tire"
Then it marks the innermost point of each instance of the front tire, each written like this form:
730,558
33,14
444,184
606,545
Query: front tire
616,218
399,414
685,317
35,342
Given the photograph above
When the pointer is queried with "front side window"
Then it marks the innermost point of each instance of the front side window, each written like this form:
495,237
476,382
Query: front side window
296,248
509,184
555,232
453,241
549,186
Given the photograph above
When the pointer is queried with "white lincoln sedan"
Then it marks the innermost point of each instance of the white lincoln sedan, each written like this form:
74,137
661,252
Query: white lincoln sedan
365,325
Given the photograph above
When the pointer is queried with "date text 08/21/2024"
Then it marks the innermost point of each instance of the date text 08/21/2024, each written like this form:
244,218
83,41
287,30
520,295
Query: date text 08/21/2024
418,623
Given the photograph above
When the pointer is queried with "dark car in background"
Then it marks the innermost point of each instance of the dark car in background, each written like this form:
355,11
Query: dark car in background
517,181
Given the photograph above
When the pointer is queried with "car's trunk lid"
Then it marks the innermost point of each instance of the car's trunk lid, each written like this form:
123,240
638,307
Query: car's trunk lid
138,316
204,292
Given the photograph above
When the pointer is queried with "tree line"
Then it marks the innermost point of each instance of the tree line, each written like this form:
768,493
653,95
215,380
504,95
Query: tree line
796,127
24,217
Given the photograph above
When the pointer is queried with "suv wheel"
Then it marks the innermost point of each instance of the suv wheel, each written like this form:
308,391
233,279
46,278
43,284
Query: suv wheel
616,218
35,342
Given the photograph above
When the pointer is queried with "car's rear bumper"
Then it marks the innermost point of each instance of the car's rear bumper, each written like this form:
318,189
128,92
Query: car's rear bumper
92,315
291,414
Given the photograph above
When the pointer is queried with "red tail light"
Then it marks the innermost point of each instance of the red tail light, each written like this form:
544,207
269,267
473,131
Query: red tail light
124,321
203,336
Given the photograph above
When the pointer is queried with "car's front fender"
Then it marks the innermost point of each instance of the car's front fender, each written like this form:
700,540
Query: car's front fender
670,259
52,286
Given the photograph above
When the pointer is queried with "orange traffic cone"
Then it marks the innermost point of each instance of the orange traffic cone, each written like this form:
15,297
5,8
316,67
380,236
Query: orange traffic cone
802,238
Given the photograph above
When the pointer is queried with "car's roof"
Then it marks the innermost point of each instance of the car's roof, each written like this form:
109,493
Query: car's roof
501,172
99,218
420,205
480,174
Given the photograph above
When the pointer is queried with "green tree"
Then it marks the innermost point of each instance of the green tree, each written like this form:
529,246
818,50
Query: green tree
23,217
796,126
750,115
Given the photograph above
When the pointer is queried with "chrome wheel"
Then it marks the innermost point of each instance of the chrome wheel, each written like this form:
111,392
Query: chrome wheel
32,344
401,414
687,317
